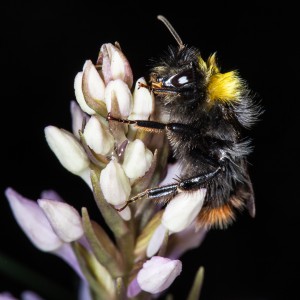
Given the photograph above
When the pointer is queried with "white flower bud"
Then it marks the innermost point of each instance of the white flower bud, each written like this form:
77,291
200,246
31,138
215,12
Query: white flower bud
114,183
33,222
137,159
97,137
64,219
79,95
183,210
94,85
67,149
158,274
119,89
114,64
143,102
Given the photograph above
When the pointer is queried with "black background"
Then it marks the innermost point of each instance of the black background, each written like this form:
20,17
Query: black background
44,45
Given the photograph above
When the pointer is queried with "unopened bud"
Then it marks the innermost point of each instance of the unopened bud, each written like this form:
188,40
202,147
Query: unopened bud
97,137
122,94
64,219
143,102
67,149
114,64
137,159
158,274
114,183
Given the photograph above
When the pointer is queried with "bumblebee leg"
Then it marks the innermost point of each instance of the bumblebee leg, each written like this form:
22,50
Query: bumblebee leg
153,193
172,189
144,124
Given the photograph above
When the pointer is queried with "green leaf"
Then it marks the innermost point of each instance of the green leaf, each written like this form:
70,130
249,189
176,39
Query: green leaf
97,276
103,248
123,235
197,285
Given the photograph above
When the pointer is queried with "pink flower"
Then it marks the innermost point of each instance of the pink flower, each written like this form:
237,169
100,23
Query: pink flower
157,274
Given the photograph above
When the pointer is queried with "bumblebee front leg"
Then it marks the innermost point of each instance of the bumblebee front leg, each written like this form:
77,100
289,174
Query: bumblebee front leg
189,184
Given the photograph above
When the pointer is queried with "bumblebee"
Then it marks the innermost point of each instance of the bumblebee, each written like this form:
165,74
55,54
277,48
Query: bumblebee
208,112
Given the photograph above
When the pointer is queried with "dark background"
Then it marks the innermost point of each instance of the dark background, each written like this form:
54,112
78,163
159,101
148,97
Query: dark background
43,46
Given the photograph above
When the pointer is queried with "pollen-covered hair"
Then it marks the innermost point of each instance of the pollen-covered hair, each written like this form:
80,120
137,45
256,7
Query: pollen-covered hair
229,89
224,87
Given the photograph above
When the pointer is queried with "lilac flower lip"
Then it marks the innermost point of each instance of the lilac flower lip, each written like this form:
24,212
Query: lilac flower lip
158,274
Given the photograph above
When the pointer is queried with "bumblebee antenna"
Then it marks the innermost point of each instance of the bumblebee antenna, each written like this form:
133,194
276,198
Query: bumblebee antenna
172,31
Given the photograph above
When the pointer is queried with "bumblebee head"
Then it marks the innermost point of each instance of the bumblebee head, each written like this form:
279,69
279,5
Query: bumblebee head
183,77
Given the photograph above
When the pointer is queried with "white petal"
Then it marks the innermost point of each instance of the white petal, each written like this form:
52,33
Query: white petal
67,149
114,64
182,210
95,84
78,117
86,177
137,159
143,102
120,90
64,219
33,222
97,137
114,183
156,240
117,66
79,95
158,274
125,214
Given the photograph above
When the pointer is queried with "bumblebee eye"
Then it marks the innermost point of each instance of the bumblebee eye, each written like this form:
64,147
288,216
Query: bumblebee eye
180,79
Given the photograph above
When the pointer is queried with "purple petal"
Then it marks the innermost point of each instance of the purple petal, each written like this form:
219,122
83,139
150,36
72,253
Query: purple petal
51,195
173,172
66,253
33,221
185,240
7,296
29,295
84,291
133,289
